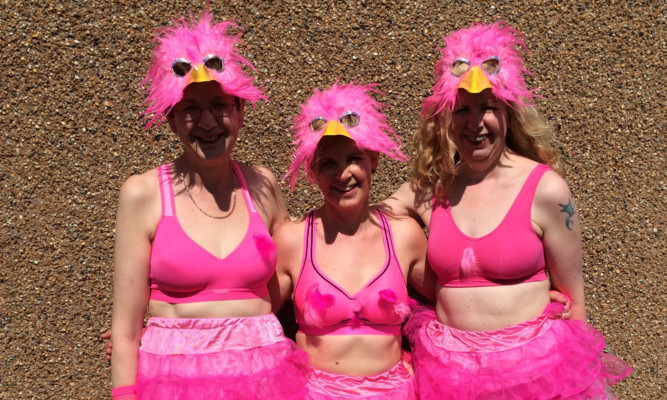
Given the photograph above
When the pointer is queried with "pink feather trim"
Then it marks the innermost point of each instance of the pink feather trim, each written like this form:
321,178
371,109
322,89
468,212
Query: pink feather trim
372,133
194,42
477,44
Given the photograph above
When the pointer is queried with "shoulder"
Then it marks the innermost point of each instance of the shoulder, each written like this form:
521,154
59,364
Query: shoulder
258,177
407,200
289,242
406,230
139,204
552,187
140,189
290,233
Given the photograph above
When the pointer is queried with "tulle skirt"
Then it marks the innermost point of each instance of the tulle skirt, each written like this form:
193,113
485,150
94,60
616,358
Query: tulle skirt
538,359
219,358
395,384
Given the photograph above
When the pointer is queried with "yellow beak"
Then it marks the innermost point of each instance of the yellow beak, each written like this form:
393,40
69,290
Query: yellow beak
336,128
475,81
200,73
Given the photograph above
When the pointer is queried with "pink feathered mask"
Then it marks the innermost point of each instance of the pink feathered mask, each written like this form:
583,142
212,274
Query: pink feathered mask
200,52
346,110
477,58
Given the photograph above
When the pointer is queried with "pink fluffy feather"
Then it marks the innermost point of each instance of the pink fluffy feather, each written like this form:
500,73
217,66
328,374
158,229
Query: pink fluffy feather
194,42
477,44
373,132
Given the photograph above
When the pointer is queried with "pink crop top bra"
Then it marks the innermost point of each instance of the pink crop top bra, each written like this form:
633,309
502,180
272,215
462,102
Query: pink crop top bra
512,253
324,308
181,271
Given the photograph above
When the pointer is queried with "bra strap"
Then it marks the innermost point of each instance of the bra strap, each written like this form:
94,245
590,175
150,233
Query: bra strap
166,190
308,239
244,187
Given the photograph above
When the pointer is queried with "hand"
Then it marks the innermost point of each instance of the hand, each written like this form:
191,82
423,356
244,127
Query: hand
556,296
108,345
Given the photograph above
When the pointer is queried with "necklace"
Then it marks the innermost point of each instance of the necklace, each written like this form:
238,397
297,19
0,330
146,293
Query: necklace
187,188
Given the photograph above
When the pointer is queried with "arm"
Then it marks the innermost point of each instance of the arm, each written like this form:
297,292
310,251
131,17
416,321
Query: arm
403,203
131,269
289,243
410,243
558,221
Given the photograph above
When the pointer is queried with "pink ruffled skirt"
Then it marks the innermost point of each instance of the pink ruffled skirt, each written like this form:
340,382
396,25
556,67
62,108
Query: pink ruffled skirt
395,384
541,358
219,358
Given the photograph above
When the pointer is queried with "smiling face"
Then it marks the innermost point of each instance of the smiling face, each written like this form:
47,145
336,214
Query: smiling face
479,127
202,133
343,172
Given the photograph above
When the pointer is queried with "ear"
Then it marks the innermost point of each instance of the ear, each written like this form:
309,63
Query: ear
241,113
375,158
172,121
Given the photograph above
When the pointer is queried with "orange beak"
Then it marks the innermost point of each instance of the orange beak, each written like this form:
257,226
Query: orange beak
200,73
475,81
335,128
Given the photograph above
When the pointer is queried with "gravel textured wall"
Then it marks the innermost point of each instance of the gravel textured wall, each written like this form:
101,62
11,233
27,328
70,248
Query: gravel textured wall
68,120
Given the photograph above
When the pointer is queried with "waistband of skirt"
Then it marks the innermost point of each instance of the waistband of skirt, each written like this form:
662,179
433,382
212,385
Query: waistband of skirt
361,385
452,339
207,335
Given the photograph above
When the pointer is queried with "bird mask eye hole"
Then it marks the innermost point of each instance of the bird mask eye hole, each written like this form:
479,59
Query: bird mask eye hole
214,62
491,66
181,67
350,119
317,124
460,66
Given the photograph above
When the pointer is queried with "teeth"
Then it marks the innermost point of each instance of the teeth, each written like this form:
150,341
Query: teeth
209,139
479,138
347,188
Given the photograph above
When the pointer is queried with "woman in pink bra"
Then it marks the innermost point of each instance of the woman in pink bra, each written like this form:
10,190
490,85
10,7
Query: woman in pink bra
502,230
193,241
347,263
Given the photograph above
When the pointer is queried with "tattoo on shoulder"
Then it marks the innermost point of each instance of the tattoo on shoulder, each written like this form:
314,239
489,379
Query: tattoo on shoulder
569,210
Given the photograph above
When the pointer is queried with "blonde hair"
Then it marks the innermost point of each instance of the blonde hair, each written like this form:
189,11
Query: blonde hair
436,164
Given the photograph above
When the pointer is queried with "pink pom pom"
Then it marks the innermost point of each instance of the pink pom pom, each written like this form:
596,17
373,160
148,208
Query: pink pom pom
388,295
402,310
316,305
265,246
389,301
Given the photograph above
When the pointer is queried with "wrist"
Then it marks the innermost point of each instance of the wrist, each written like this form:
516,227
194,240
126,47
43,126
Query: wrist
127,392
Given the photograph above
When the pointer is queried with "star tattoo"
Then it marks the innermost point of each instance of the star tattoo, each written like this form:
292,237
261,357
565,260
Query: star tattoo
569,210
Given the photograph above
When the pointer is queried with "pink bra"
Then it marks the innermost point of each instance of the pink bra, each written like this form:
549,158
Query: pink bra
512,253
324,308
181,271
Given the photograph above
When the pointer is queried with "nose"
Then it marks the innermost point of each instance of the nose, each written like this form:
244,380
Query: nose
207,120
475,118
345,172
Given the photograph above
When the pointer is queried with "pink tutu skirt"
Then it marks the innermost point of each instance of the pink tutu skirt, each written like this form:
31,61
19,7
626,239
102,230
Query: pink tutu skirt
395,384
538,359
219,358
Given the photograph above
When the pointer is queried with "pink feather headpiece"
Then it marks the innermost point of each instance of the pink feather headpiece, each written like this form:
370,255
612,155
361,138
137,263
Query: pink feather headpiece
477,58
199,52
346,110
